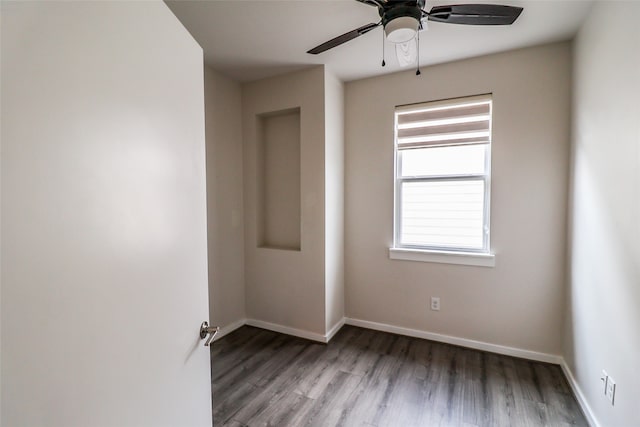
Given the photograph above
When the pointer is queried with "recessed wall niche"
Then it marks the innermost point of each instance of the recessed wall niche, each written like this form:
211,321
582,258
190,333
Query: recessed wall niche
278,175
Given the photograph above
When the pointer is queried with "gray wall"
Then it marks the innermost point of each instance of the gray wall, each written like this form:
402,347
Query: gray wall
603,307
286,287
519,302
225,215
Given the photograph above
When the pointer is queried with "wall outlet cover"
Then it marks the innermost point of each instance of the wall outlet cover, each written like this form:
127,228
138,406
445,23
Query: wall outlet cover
604,379
611,389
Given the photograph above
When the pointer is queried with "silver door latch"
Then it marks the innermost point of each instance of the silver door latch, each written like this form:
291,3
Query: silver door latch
212,331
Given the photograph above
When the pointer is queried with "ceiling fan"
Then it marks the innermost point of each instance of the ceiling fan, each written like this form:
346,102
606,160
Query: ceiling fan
402,19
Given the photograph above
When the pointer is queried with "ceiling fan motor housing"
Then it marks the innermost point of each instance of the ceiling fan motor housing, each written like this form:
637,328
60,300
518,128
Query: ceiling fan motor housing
401,22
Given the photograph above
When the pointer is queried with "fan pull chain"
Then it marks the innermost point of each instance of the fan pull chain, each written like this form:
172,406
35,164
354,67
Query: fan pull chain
383,63
418,59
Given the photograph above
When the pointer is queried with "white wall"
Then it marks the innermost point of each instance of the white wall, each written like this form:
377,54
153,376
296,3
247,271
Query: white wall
104,261
224,198
603,315
519,303
287,287
334,199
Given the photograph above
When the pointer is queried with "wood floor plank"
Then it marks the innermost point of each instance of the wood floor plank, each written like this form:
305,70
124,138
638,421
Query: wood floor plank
281,385
244,367
530,383
365,378
448,397
407,400
233,423
356,357
331,406
289,410
536,414
225,407
557,394
500,406
318,377
369,402
283,356
228,362
229,345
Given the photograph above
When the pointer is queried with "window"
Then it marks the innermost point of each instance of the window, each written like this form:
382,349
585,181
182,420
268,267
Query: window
443,159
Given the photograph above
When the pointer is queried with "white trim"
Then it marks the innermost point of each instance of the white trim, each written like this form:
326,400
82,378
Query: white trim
226,330
329,335
580,397
461,258
463,342
313,336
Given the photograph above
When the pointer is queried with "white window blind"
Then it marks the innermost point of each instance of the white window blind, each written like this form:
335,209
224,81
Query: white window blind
442,175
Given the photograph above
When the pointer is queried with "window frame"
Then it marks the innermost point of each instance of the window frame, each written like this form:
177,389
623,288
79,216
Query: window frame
399,250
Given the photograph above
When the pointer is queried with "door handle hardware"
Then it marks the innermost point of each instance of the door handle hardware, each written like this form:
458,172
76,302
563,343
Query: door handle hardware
205,330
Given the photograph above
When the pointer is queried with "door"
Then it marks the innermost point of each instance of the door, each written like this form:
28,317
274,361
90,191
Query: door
103,238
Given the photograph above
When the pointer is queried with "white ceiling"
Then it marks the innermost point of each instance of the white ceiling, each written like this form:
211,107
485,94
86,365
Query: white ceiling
249,40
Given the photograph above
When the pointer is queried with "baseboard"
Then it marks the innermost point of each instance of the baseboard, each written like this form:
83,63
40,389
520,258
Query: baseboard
334,330
577,391
463,342
313,336
226,330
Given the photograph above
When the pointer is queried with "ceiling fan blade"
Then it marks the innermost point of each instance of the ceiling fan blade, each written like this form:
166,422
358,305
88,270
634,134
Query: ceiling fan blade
343,38
475,14
375,3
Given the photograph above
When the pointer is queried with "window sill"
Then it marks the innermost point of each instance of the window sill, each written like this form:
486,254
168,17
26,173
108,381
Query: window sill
462,258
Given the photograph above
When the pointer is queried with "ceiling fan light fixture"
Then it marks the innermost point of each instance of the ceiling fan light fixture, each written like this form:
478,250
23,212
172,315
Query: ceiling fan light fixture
401,29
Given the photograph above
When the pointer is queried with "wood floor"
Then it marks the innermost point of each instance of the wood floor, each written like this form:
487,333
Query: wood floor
369,378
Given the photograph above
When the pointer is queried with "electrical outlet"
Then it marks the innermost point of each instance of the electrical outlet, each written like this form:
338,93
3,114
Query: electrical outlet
611,389
435,303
